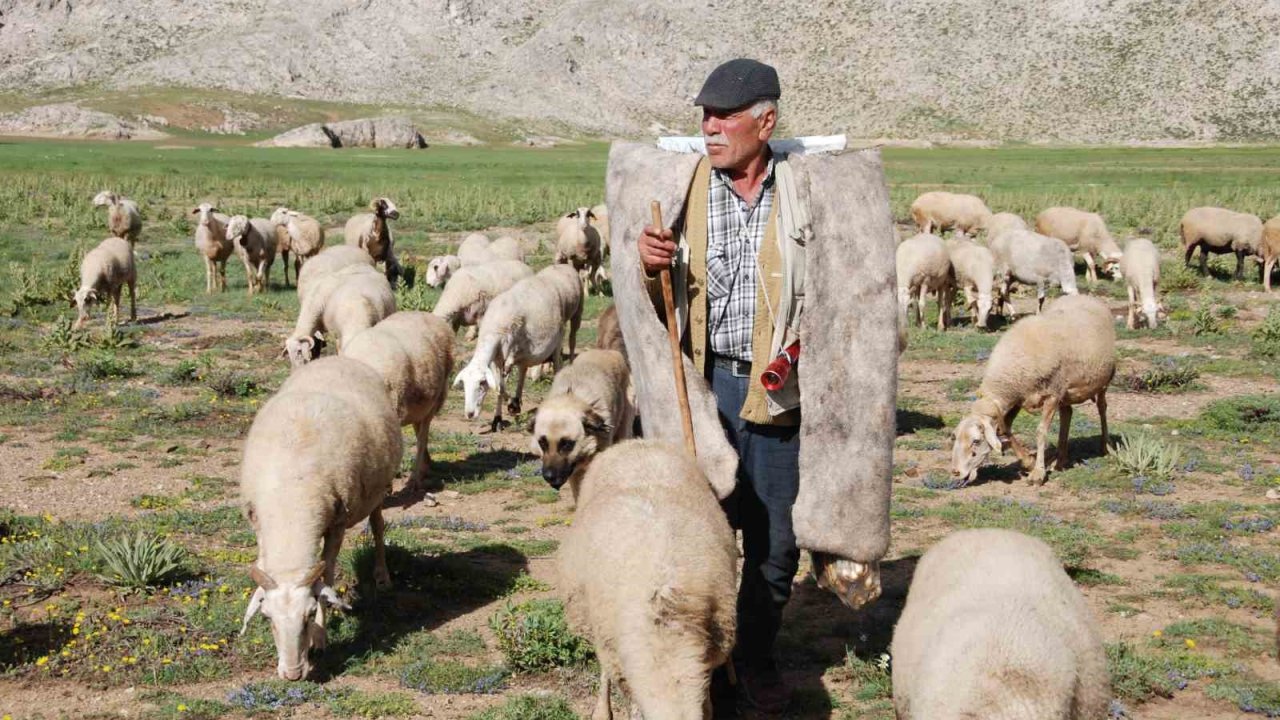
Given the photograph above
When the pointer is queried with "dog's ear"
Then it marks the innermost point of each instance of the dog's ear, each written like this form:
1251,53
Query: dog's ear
594,424
531,422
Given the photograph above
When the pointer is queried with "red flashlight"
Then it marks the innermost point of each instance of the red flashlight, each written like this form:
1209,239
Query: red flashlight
775,374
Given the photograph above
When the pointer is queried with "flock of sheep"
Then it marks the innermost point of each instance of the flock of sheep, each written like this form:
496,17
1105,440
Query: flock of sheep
993,627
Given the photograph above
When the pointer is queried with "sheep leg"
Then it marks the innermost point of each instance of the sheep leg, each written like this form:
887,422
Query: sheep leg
133,305
222,276
264,276
1101,402
208,275
1132,322
513,407
1091,271
1204,259
419,480
1037,474
250,277
381,576
1020,450
604,708
1239,265
922,296
1267,265
575,323
114,317
284,257
1064,433
329,554
1040,294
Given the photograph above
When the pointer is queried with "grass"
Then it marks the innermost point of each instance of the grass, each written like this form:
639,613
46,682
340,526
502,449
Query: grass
533,636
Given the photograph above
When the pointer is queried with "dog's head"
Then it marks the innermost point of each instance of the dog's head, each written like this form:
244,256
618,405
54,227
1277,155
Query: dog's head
567,433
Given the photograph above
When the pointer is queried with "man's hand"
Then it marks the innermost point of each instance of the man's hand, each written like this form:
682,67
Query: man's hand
657,248
855,583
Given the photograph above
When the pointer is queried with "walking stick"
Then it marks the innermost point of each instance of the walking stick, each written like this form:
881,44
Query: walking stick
673,334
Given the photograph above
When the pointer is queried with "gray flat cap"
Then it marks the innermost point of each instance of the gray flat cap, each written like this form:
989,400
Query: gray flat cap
738,83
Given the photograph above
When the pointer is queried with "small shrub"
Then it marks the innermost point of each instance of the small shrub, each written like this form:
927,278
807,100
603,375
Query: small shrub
140,562
453,678
1243,414
871,677
533,636
273,695
229,383
1162,377
1266,338
1145,456
1177,278
356,703
184,372
1251,696
102,365
529,707
1204,322
1137,676
62,336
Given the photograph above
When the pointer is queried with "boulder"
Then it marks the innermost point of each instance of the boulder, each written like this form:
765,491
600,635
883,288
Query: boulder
313,135
71,120
379,132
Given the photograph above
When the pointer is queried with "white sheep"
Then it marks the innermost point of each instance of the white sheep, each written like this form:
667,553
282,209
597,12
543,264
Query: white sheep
937,211
609,332
327,261
1140,266
1031,259
372,232
1045,362
506,248
974,268
601,213
211,240
318,459
649,576
306,236
441,268
471,289
474,250
588,408
104,270
283,247
1004,222
522,328
413,352
255,242
923,268
1220,231
344,303
1085,233
1270,249
578,244
994,629
124,220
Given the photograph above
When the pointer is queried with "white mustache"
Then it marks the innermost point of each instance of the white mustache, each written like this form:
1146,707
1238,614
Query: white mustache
716,140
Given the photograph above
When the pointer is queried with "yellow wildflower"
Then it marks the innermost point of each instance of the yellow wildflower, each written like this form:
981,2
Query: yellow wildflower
182,707
1157,633
42,660
1191,643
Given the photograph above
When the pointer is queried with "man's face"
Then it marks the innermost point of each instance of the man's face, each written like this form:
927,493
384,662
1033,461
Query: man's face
734,138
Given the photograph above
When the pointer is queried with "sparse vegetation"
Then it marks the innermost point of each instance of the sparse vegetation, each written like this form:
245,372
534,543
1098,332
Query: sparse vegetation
1141,455
534,636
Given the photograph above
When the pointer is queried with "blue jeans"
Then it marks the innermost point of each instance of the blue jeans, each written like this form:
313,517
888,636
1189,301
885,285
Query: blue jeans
760,506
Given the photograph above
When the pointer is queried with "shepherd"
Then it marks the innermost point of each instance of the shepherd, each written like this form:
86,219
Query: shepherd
767,248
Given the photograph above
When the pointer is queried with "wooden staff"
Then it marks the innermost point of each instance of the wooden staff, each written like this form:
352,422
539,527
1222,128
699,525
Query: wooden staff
673,334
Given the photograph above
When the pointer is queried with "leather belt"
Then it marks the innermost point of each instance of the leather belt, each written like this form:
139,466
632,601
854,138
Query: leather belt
738,368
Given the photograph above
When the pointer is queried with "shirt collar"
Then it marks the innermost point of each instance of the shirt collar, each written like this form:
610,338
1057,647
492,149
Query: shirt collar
723,179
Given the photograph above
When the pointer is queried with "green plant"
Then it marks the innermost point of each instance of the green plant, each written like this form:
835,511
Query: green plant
1266,337
1243,414
100,365
141,561
1161,377
356,703
1144,455
229,383
534,636
452,677
184,372
871,677
63,336
529,707
1204,322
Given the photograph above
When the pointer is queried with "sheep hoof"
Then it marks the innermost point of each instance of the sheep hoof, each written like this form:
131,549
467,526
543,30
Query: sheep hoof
513,408
381,578
1037,476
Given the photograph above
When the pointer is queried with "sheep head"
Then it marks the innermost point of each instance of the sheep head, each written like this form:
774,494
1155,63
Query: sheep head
302,349
567,434
476,380
291,608
237,226
106,197
205,211
83,297
975,439
583,215
280,216
383,207
440,268
984,308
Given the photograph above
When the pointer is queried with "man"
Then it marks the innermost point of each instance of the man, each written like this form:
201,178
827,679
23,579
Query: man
739,103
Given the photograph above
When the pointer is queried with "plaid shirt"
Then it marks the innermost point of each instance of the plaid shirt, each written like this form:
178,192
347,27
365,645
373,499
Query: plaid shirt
734,233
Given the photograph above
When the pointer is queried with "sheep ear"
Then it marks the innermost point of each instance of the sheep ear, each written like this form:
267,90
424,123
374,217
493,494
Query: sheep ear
328,595
457,381
263,580
255,603
591,215
594,424
492,377
195,211
989,432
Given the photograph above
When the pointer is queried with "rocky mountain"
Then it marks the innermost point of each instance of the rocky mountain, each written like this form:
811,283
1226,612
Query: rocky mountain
1016,70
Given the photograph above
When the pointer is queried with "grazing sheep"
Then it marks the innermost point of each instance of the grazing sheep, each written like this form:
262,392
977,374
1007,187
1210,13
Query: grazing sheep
212,242
974,268
1004,222
578,244
923,268
371,232
1085,233
306,236
1141,268
937,211
649,576
413,352
1046,362
1031,259
609,332
1219,231
601,213
506,248
441,268
329,260
344,303
994,629
474,250
1270,249
283,246
318,459
472,288
588,409
124,220
103,271
522,328
255,242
